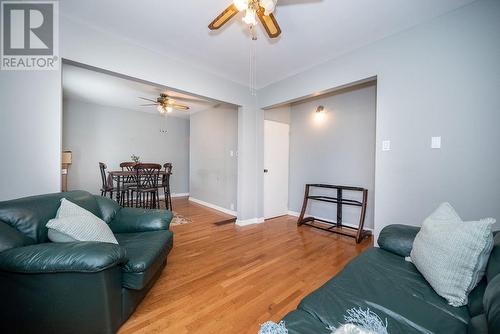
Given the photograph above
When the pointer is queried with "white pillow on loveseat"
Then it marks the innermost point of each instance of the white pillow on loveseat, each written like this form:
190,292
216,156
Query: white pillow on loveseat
74,223
452,254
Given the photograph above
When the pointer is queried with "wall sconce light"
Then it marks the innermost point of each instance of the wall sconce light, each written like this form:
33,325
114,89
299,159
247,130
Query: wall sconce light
320,115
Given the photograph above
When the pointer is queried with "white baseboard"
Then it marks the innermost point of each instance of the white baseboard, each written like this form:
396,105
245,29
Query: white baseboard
176,195
245,222
213,206
296,214
180,195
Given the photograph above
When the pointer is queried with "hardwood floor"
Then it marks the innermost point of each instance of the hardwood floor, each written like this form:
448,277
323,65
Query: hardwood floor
222,278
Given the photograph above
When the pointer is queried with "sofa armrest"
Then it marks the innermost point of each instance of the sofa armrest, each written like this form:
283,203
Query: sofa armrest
86,257
398,239
131,220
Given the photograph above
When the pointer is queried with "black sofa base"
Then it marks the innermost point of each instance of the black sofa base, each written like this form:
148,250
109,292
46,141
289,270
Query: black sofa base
63,303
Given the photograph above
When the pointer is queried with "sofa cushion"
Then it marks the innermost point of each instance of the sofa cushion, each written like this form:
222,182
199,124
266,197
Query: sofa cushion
491,302
132,220
108,208
29,215
12,238
301,322
493,267
147,253
478,325
475,303
390,287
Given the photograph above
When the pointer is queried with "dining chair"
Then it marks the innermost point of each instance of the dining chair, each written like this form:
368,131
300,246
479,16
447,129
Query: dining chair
106,187
128,165
165,184
146,188
128,181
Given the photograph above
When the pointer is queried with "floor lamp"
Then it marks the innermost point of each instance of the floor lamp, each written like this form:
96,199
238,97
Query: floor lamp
65,161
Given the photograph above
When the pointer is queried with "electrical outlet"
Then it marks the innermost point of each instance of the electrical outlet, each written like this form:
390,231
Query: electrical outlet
386,145
436,142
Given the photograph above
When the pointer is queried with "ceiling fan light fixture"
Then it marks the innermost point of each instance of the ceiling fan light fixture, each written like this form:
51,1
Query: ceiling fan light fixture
241,5
169,109
250,17
161,109
268,5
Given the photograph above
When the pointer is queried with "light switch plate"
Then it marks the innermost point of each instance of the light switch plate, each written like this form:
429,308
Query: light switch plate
436,142
386,145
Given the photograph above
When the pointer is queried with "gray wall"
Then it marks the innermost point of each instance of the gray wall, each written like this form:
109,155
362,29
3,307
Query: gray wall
30,133
278,114
98,133
441,78
337,147
213,172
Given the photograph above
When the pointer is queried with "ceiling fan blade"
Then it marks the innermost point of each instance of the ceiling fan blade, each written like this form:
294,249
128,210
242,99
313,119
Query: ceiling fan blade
148,105
148,99
187,99
180,107
270,24
225,16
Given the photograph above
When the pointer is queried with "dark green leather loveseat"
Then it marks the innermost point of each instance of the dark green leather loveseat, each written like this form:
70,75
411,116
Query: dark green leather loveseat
380,279
81,287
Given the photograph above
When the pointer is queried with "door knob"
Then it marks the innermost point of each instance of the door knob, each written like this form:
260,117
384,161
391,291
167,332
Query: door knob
265,170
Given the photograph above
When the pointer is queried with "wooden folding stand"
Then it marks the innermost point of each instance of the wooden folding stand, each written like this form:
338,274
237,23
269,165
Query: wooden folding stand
336,227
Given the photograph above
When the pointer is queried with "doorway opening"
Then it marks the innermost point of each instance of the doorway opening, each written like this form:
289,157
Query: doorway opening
113,119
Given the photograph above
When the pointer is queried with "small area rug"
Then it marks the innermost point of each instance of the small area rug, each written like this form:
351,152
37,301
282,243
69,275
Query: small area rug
179,220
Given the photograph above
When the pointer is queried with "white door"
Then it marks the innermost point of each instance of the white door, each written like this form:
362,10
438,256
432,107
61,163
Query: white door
276,150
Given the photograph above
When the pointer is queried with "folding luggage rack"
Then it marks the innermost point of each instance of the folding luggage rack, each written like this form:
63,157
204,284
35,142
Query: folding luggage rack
336,227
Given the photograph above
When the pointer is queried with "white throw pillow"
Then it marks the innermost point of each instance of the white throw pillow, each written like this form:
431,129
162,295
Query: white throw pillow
452,254
74,223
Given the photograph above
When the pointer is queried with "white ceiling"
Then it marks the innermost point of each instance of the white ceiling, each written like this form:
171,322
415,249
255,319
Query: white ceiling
109,90
313,30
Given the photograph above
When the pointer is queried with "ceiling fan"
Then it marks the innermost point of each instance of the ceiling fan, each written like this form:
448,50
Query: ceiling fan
166,104
263,9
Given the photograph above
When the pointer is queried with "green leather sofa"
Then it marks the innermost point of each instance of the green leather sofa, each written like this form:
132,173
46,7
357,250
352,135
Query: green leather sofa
381,280
81,287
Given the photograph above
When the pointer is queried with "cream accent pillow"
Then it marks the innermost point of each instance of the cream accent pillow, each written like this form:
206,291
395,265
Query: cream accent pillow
74,223
452,254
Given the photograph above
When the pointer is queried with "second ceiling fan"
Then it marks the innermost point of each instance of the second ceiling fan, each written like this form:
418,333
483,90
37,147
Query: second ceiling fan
263,9
166,104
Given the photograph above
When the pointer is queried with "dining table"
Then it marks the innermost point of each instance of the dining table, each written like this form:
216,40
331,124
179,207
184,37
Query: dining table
119,175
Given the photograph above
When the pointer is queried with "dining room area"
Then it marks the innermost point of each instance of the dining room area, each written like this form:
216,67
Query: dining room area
137,184
144,145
